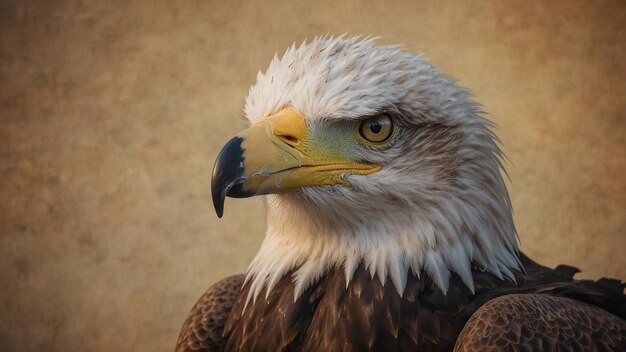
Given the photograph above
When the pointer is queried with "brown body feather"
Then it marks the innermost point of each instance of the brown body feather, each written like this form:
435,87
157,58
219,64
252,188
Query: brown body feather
203,329
540,322
369,316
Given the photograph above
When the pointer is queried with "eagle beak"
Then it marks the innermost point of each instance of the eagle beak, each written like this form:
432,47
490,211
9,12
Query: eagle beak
276,156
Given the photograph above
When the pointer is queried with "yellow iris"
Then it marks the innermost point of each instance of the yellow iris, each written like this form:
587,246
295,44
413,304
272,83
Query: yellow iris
377,129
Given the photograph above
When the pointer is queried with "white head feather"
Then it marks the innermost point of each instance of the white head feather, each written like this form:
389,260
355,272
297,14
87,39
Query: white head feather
439,203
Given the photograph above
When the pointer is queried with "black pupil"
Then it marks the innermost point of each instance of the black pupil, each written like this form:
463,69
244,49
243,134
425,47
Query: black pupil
375,126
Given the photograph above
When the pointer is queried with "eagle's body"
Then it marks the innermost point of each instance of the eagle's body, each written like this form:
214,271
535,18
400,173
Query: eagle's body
389,223
369,316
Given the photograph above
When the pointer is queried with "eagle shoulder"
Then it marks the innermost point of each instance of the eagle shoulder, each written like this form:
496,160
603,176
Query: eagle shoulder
202,331
541,322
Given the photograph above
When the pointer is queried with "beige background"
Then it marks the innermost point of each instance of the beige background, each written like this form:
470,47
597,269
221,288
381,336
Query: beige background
111,115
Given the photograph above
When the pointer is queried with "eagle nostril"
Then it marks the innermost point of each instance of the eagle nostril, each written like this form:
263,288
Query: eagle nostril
289,139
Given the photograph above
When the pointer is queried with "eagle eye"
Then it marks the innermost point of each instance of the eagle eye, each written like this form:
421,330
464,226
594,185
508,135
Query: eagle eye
376,129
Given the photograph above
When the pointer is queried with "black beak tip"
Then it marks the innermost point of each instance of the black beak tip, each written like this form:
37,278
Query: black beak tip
227,172
218,204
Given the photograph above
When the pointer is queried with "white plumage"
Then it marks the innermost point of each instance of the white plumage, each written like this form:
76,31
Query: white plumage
439,203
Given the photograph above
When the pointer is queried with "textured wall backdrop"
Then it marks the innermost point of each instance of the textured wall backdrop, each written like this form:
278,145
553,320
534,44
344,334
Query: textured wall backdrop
111,115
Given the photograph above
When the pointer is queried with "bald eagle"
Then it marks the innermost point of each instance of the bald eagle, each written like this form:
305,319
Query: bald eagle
389,225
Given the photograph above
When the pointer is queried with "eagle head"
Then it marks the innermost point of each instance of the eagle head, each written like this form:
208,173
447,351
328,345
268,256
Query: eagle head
368,155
